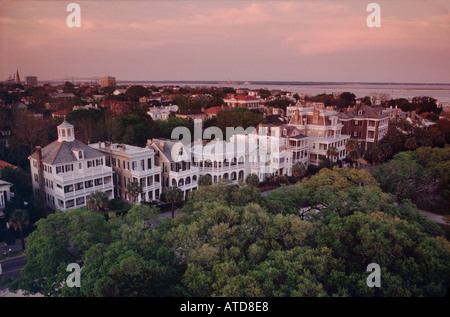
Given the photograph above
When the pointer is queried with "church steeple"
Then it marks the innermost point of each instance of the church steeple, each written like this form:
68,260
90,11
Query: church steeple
65,132
17,77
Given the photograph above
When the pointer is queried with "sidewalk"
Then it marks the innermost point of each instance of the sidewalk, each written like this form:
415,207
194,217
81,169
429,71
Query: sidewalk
12,247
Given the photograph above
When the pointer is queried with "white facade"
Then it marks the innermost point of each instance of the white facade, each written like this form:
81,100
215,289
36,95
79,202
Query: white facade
221,160
176,166
66,172
273,150
132,163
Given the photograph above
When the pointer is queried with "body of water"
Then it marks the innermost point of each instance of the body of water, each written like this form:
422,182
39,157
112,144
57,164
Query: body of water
441,92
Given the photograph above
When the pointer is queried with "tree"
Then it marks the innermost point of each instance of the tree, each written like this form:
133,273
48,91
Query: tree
135,264
204,180
252,180
346,99
134,189
135,92
411,144
374,154
174,195
59,239
142,212
332,153
98,201
298,170
353,156
19,219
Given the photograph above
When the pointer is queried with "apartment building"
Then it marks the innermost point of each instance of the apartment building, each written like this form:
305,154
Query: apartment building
132,163
107,81
174,159
366,124
324,130
65,172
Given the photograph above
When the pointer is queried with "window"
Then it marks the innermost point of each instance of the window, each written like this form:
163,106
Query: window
59,169
98,181
69,167
36,178
80,201
79,186
90,164
80,154
68,188
149,163
142,165
88,184
133,165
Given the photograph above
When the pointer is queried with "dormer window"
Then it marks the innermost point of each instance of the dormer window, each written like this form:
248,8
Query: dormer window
80,155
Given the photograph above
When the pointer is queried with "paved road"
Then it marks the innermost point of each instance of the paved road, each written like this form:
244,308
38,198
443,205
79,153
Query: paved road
11,267
435,217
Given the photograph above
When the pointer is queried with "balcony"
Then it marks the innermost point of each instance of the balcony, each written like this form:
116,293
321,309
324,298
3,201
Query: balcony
147,172
84,175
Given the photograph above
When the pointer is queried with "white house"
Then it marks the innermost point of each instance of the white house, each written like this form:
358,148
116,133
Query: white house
132,163
65,172
176,167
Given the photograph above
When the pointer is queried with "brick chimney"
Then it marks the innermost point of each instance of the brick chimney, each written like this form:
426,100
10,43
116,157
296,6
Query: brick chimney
40,173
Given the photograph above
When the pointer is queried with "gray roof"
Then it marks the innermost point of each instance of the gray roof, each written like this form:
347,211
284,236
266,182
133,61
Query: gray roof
366,112
61,152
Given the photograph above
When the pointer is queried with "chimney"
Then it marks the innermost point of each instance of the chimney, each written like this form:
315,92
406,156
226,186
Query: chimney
40,173
395,113
161,145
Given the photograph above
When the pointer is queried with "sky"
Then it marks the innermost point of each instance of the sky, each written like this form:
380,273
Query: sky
233,40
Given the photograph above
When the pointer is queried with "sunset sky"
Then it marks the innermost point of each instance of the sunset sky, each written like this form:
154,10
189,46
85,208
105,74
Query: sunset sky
228,40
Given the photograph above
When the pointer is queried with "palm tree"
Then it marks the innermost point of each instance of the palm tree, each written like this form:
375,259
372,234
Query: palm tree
19,219
374,154
353,156
298,170
173,195
98,201
133,190
332,153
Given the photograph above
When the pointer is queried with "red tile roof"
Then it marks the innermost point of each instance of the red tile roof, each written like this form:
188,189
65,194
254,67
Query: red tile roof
4,164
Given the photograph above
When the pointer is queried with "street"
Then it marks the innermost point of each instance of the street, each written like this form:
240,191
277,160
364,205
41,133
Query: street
11,267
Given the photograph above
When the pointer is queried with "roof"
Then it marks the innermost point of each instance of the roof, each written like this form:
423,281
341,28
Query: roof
2,183
4,164
366,112
65,124
215,110
61,152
